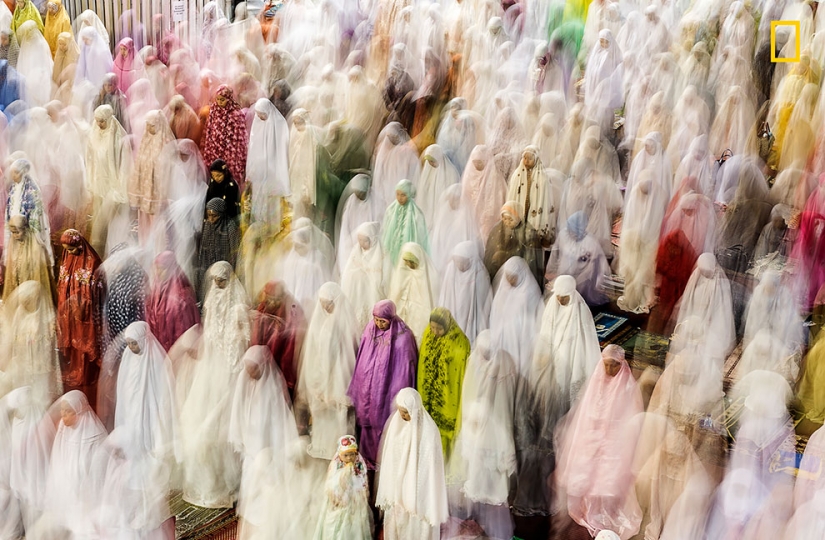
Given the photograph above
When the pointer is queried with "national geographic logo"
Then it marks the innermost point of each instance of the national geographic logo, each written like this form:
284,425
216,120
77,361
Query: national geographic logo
795,34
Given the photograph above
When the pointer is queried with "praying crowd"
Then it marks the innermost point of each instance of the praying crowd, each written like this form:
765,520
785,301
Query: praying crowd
414,269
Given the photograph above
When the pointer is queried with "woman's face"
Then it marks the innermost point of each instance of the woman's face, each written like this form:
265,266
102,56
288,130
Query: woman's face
508,221
563,300
254,371
133,345
212,216
87,41
604,43
16,176
411,264
68,415
53,8
512,278
220,101
430,160
462,264
71,250
437,329
327,304
299,124
221,282
381,324
611,367
124,52
478,164
261,115
401,197
404,414
102,123
364,242
217,176
16,232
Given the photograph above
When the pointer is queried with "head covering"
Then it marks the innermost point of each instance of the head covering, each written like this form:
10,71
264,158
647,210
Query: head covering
385,363
171,307
485,189
466,290
146,403
414,290
28,12
404,224
364,275
327,365
416,485
267,160
441,366
225,135
95,60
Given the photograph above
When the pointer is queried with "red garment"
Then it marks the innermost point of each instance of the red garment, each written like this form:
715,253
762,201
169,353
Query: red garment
78,292
171,307
674,265
280,325
225,136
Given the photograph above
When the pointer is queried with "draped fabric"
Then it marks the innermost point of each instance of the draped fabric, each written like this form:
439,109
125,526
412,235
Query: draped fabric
441,365
148,184
125,65
57,22
404,223
466,290
78,298
26,258
224,135
171,305
385,363
280,324
26,12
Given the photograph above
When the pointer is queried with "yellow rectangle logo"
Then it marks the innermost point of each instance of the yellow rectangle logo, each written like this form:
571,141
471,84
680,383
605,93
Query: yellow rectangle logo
795,25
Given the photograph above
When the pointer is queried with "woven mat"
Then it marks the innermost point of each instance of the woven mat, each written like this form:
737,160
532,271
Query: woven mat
196,523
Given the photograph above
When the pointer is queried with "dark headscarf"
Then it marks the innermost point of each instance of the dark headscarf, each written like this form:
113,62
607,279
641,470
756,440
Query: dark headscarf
227,190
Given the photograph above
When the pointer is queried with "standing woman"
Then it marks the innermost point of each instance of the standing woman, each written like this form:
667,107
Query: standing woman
34,64
403,223
441,366
25,199
211,469
25,10
78,329
220,238
57,22
267,162
222,185
150,177
412,491
225,135
385,363
171,307
326,370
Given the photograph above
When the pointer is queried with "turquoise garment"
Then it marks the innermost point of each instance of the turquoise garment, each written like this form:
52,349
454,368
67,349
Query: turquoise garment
404,223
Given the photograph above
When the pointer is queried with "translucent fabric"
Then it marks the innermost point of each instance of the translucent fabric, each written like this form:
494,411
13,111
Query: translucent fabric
536,190
411,486
34,64
577,253
516,313
600,431
396,159
327,365
454,223
414,288
403,223
267,161
484,188
437,174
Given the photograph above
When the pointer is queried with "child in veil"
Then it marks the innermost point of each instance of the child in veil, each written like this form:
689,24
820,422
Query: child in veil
346,512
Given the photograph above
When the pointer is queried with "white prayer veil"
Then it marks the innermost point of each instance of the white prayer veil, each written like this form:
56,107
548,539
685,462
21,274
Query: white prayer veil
365,276
454,223
437,174
267,161
516,312
411,463
485,454
327,365
34,64
146,404
414,288
708,296
466,290
396,159
71,459
95,59
484,188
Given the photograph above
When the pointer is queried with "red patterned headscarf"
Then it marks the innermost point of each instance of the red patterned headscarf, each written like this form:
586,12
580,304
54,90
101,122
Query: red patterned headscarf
225,136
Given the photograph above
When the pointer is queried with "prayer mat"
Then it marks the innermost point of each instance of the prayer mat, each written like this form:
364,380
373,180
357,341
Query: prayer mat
645,348
197,523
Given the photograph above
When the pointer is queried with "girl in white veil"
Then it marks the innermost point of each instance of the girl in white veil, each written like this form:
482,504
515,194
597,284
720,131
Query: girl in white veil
358,205
328,361
267,161
396,159
210,467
